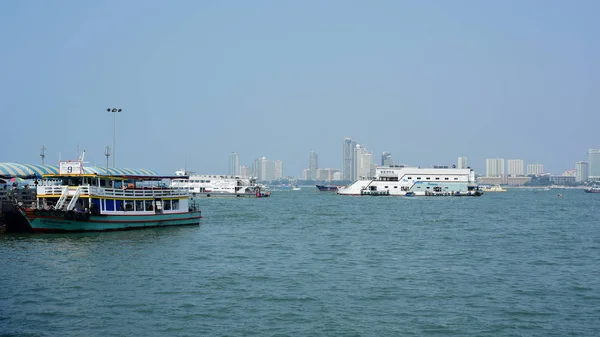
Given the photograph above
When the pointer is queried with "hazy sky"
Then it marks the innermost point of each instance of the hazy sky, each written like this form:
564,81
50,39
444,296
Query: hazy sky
427,81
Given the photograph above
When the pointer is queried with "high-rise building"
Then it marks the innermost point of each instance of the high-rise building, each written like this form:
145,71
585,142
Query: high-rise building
313,164
278,169
535,169
581,171
306,174
244,171
349,159
515,167
494,167
234,164
326,173
462,163
363,160
594,164
386,159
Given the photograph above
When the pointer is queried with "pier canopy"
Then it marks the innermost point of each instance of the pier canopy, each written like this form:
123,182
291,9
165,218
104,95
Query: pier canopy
31,171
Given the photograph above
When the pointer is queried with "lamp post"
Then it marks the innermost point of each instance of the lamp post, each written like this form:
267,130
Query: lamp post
114,111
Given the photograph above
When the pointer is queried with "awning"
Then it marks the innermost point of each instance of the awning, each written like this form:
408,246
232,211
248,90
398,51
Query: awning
30,171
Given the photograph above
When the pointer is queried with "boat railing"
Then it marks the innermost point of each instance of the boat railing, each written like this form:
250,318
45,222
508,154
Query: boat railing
71,191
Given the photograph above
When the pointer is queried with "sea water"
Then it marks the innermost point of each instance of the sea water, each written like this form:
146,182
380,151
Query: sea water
308,263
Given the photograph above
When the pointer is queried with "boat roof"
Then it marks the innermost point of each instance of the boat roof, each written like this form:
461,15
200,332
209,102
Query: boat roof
31,171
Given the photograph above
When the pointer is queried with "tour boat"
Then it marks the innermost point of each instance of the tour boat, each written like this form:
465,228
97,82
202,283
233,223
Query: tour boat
217,185
79,202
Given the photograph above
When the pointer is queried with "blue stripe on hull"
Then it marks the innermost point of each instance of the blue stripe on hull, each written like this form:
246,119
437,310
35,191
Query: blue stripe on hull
113,222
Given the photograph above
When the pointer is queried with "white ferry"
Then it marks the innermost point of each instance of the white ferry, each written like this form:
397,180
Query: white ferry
213,185
414,181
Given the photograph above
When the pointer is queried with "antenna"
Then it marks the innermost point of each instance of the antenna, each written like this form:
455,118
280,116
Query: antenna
82,156
107,154
43,153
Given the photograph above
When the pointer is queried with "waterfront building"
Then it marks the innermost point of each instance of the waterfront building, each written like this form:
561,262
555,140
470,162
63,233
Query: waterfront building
234,164
313,164
515,167
581,171
462,163
349,159
562,180
535,169
386,159
494,167
594,164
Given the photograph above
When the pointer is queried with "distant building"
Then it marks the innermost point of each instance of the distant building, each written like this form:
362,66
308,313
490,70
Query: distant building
306,174
326,173
278,169
494,167
363,159
234,164
581,171
594,164
503,180
349,159
244,171
386,159
562,180
462,163
515,167
337,176
535,169
313,164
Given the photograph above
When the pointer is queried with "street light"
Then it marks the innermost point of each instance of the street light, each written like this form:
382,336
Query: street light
114,110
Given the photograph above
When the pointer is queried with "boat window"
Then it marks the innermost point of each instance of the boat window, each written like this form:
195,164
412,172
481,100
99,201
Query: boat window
419,178
455,178
110,205
386,186
102,182
149,205
175,204
428,178
446,178
128,205
437,178
395,186
409,177
119,205
139,205
428,187
167,205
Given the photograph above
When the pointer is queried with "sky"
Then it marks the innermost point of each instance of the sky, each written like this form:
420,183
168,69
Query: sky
427,81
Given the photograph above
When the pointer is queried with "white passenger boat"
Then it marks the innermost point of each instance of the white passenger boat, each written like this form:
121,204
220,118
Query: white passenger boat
216,185
414,181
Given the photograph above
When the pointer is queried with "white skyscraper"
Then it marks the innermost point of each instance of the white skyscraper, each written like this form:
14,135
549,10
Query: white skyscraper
494,167
244,171
364,159
581,171
516,167
234,164
594,164
386,159
278,172
462,163
535,169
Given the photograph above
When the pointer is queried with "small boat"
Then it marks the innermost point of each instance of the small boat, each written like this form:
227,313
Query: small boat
295,188
494,188
328,188
593,189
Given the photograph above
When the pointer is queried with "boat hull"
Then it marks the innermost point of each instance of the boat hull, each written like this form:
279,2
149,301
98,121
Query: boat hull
99,223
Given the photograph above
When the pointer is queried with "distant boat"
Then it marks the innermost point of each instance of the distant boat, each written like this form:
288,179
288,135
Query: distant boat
296,188
593,189
327,188
495,188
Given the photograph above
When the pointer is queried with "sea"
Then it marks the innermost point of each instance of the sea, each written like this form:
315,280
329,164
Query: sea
306,263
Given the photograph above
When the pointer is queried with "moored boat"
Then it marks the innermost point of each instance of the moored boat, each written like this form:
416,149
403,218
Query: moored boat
79,202
593,189
215,185
494,188
415,181
328,188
